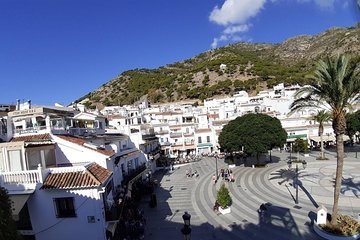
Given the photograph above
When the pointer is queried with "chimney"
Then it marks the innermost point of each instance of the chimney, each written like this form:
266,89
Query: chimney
17,104
29,104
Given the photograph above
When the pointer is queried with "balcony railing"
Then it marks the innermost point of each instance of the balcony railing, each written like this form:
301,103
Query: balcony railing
24,177
30,130
165,143
175,135
148,136
133,173
162,132
82,131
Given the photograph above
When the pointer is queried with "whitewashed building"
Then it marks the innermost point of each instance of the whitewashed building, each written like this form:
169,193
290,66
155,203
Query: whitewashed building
63,172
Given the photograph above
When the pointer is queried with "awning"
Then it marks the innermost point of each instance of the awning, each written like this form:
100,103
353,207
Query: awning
17,203
328,138
111,226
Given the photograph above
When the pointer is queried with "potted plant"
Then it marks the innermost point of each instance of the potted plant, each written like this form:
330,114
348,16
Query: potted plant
346,228
301,146
224,199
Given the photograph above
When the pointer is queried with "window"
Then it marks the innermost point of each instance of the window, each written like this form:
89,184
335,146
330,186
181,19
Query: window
33,159
64,207
208,139
199,139
15,160
50,159
2,161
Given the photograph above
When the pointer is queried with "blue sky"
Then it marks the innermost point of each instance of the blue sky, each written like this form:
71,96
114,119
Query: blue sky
59,50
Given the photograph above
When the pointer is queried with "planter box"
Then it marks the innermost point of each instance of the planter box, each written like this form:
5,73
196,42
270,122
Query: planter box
224,210
330,236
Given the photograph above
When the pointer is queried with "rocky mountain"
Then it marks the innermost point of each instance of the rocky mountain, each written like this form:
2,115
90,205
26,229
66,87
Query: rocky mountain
241,66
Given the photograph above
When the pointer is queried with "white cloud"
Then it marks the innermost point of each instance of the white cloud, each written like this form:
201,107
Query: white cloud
237,29
235,15
236,11
323,4
216,41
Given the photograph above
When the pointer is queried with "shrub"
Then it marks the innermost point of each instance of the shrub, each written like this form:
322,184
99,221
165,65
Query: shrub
346,226
223,197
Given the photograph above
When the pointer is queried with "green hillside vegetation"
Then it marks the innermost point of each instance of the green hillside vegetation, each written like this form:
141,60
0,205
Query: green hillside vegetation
249,66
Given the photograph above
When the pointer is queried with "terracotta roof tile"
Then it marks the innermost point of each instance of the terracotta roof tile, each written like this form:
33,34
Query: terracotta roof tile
100,173
214,115
181,125
220,122
32,138
202,130
81,142
93,176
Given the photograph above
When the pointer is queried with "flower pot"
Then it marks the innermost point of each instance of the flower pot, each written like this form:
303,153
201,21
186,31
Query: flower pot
330,236
224,210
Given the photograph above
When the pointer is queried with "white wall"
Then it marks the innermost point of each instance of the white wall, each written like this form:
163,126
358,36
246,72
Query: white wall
47,226
67,152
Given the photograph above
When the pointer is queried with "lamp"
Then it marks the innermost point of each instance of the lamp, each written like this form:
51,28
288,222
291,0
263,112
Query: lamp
216,167
186,217
304,164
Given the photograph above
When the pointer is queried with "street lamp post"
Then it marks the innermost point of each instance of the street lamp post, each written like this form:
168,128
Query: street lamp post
216,167
296,178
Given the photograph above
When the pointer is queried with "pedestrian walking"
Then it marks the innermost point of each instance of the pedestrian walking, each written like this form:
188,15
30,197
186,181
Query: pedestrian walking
214,179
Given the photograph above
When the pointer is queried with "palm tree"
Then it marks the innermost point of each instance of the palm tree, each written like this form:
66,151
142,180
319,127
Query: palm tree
321,117
335,85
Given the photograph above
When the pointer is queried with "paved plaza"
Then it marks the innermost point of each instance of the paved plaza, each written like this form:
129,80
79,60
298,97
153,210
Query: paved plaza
273,184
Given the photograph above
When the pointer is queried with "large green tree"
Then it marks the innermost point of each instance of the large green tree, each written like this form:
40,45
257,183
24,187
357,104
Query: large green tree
335,84
253,133
353,124
321,117
7,225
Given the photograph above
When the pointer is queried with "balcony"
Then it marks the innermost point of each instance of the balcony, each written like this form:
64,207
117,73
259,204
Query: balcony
134,173
165,143
148,136
176,135
21,180
82,131
28,130
162,132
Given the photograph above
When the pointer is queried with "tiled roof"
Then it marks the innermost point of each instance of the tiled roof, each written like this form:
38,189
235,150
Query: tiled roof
181,125
32,138
220,122
100,173
167,113
111,117
81,142
215,115
202,130
93,176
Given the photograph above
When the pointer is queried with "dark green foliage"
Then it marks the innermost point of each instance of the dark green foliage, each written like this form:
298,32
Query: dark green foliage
7,225
256,133
352,124
300,145
206,80
223,197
